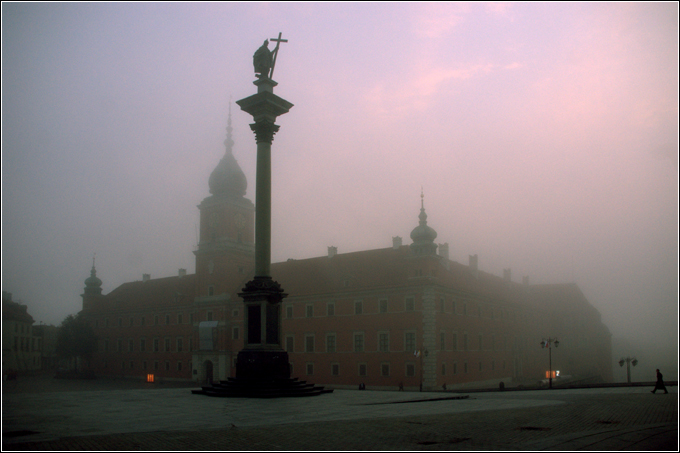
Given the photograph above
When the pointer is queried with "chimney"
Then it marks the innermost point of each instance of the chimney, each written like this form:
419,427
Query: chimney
444,250
396,242
473,265
182,272
332,251
146,277
507,275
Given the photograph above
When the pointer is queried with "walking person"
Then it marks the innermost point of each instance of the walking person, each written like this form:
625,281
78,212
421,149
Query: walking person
659,382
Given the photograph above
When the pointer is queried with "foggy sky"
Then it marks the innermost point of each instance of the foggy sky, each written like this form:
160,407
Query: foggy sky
544,136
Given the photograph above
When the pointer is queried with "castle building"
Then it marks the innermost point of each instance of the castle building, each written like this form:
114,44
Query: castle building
401,316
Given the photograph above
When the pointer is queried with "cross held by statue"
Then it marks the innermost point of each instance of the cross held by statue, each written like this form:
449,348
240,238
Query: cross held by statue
276,52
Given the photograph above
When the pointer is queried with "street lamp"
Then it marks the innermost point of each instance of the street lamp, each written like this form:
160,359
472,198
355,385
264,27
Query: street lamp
628,360
549,344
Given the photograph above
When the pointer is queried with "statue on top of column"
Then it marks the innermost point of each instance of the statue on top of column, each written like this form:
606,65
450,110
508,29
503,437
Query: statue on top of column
262,60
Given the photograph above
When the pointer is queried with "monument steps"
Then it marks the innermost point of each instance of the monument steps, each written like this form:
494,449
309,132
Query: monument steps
261,388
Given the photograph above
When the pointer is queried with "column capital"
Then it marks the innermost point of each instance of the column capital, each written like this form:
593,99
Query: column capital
264,131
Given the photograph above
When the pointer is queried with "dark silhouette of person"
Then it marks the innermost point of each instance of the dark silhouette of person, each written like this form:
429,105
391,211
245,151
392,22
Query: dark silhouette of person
659,382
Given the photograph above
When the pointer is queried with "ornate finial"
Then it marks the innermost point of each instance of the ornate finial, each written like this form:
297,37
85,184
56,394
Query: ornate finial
229,142
93,255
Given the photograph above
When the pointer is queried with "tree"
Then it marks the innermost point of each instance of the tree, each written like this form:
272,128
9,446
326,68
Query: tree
75,339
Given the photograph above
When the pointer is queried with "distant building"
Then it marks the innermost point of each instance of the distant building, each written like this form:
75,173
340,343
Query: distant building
402,315
21,349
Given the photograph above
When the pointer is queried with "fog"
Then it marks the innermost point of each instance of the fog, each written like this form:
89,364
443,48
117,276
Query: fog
544,137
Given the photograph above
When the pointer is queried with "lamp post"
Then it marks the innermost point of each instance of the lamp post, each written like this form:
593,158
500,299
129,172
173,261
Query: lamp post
628,360
549,344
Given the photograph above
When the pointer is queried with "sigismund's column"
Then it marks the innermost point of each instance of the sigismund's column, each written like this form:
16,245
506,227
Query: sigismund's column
262,356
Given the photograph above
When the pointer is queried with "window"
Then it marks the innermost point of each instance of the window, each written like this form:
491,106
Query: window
179,318
454,344
211,290
410,304
310,369
234,333
179,366
155,320
234,313
167,320
120,322
465,342
385,369
309,343
132,364
410,369
442,341
289,311
465,367
155,365
191,319
455,367
453,307
383,341
106,345
465,309
410,341
179,345
480,366
309,310
441,305
142,345
335,369
290,343
493,364
132,322
167,366
191,343
144,365
358,307
142,321
330,309
131,345
330,342
167,345
155,344
383,305
443,369
362,369
209,316
106,322
358,342
96,323
481,344
493,342
120,345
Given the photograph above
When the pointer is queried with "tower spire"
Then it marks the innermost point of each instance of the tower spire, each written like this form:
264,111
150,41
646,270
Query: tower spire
228,178
229,142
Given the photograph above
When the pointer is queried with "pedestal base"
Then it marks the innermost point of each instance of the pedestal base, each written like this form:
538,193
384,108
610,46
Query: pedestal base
262,365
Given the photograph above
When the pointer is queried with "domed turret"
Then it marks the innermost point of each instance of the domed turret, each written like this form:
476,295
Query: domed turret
93,285
228,178
423,236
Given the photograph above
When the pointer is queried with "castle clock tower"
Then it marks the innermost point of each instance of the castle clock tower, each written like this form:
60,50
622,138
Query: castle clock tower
225,254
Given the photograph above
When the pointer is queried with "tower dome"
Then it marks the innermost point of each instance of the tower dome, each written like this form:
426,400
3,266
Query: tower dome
228,178
93,285
423,236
